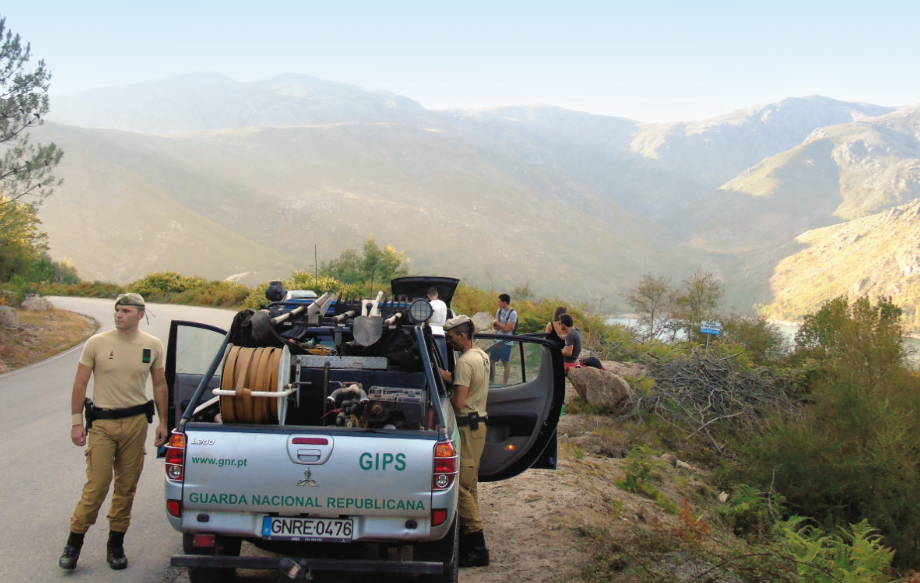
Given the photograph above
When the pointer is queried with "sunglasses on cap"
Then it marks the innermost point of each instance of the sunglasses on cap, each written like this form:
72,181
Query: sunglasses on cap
130,299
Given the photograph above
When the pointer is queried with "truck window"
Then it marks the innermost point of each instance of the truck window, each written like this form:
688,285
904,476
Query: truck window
523,361
195,349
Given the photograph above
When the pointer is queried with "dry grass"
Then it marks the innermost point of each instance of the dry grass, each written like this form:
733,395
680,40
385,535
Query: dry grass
41,335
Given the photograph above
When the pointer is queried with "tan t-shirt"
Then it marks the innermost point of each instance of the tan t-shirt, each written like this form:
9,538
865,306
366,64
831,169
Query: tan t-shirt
472,371
121,367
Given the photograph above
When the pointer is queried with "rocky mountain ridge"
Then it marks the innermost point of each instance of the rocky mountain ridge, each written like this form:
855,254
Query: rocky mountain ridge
878,255
498,196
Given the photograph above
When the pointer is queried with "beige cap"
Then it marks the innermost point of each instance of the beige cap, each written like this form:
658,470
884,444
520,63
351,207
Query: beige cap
454,322
130,299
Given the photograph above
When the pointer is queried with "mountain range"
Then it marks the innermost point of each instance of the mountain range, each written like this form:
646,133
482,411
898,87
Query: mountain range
219,178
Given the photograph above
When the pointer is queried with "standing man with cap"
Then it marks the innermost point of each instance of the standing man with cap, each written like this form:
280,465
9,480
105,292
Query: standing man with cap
119,361
470,382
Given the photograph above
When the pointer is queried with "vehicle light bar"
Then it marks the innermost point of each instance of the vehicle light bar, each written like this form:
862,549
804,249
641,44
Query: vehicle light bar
175,457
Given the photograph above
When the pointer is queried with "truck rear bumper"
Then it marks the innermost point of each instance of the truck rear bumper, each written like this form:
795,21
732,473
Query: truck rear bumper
283,564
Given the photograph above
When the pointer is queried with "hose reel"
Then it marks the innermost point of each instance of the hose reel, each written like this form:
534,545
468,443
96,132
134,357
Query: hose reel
254,385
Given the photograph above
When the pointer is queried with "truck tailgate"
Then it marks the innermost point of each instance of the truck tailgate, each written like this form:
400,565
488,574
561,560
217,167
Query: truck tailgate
314,472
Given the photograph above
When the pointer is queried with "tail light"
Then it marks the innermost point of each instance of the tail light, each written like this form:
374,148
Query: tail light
174,507
207,541
175,457
438,516
445,465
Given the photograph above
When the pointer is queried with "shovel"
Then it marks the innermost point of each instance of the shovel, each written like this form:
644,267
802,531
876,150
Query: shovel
368,329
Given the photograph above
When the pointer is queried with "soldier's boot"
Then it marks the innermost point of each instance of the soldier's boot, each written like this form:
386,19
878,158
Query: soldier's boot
115,551
71,553
477,555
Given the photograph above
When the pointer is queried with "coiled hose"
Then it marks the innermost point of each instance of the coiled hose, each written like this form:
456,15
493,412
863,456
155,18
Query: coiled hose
247,370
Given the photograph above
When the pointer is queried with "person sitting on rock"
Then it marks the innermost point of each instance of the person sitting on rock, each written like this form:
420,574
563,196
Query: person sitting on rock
572,341
554,328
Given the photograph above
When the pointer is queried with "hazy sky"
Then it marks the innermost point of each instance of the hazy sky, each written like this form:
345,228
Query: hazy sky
646,60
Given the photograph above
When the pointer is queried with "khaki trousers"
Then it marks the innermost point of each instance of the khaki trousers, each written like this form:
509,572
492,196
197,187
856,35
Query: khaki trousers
471,445
113,446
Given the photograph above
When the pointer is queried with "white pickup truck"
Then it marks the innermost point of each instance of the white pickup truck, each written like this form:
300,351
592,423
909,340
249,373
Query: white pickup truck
323,466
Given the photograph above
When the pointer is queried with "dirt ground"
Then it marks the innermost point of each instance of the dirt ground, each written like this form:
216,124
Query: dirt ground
41,335
539,524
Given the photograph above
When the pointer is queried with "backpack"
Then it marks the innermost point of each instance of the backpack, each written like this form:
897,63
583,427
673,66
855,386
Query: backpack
512,311
593,362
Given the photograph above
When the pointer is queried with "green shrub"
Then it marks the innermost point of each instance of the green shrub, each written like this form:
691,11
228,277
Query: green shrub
851,454
166,283
750,511
86,289
666,504
639,468
215,294
763,342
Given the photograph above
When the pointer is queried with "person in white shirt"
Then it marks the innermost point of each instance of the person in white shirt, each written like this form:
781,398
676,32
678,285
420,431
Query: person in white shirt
439,317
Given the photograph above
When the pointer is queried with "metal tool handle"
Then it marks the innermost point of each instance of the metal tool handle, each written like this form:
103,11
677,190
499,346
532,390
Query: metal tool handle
221,392
375,310
283,317
344,316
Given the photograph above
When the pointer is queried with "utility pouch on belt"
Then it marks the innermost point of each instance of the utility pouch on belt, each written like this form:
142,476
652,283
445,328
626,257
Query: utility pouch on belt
149,410
472,420
88,413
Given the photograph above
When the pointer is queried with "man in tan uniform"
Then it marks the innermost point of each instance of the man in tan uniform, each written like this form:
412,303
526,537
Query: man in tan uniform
119,361
470,382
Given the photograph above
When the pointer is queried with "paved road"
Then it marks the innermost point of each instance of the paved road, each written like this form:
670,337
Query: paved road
43,471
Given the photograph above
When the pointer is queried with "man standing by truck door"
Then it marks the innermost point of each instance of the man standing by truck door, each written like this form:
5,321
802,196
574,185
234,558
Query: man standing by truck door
438,307
470,382
504,323
119,361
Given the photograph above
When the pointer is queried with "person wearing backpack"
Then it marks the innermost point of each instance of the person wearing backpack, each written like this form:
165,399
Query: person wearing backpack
505,323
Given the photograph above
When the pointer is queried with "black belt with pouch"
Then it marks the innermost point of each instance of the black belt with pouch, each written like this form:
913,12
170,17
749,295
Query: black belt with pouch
472,420
92,412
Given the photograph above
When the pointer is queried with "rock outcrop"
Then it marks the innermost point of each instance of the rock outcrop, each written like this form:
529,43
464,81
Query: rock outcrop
628,369
600,387
36,303
8,318
483,322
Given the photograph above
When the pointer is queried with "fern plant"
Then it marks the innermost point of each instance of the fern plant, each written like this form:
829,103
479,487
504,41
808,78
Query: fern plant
855,555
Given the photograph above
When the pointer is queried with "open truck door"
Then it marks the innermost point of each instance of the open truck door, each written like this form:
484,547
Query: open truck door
524,410
189,352
413,287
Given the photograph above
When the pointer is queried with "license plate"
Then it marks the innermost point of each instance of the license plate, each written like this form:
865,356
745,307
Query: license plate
308,529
